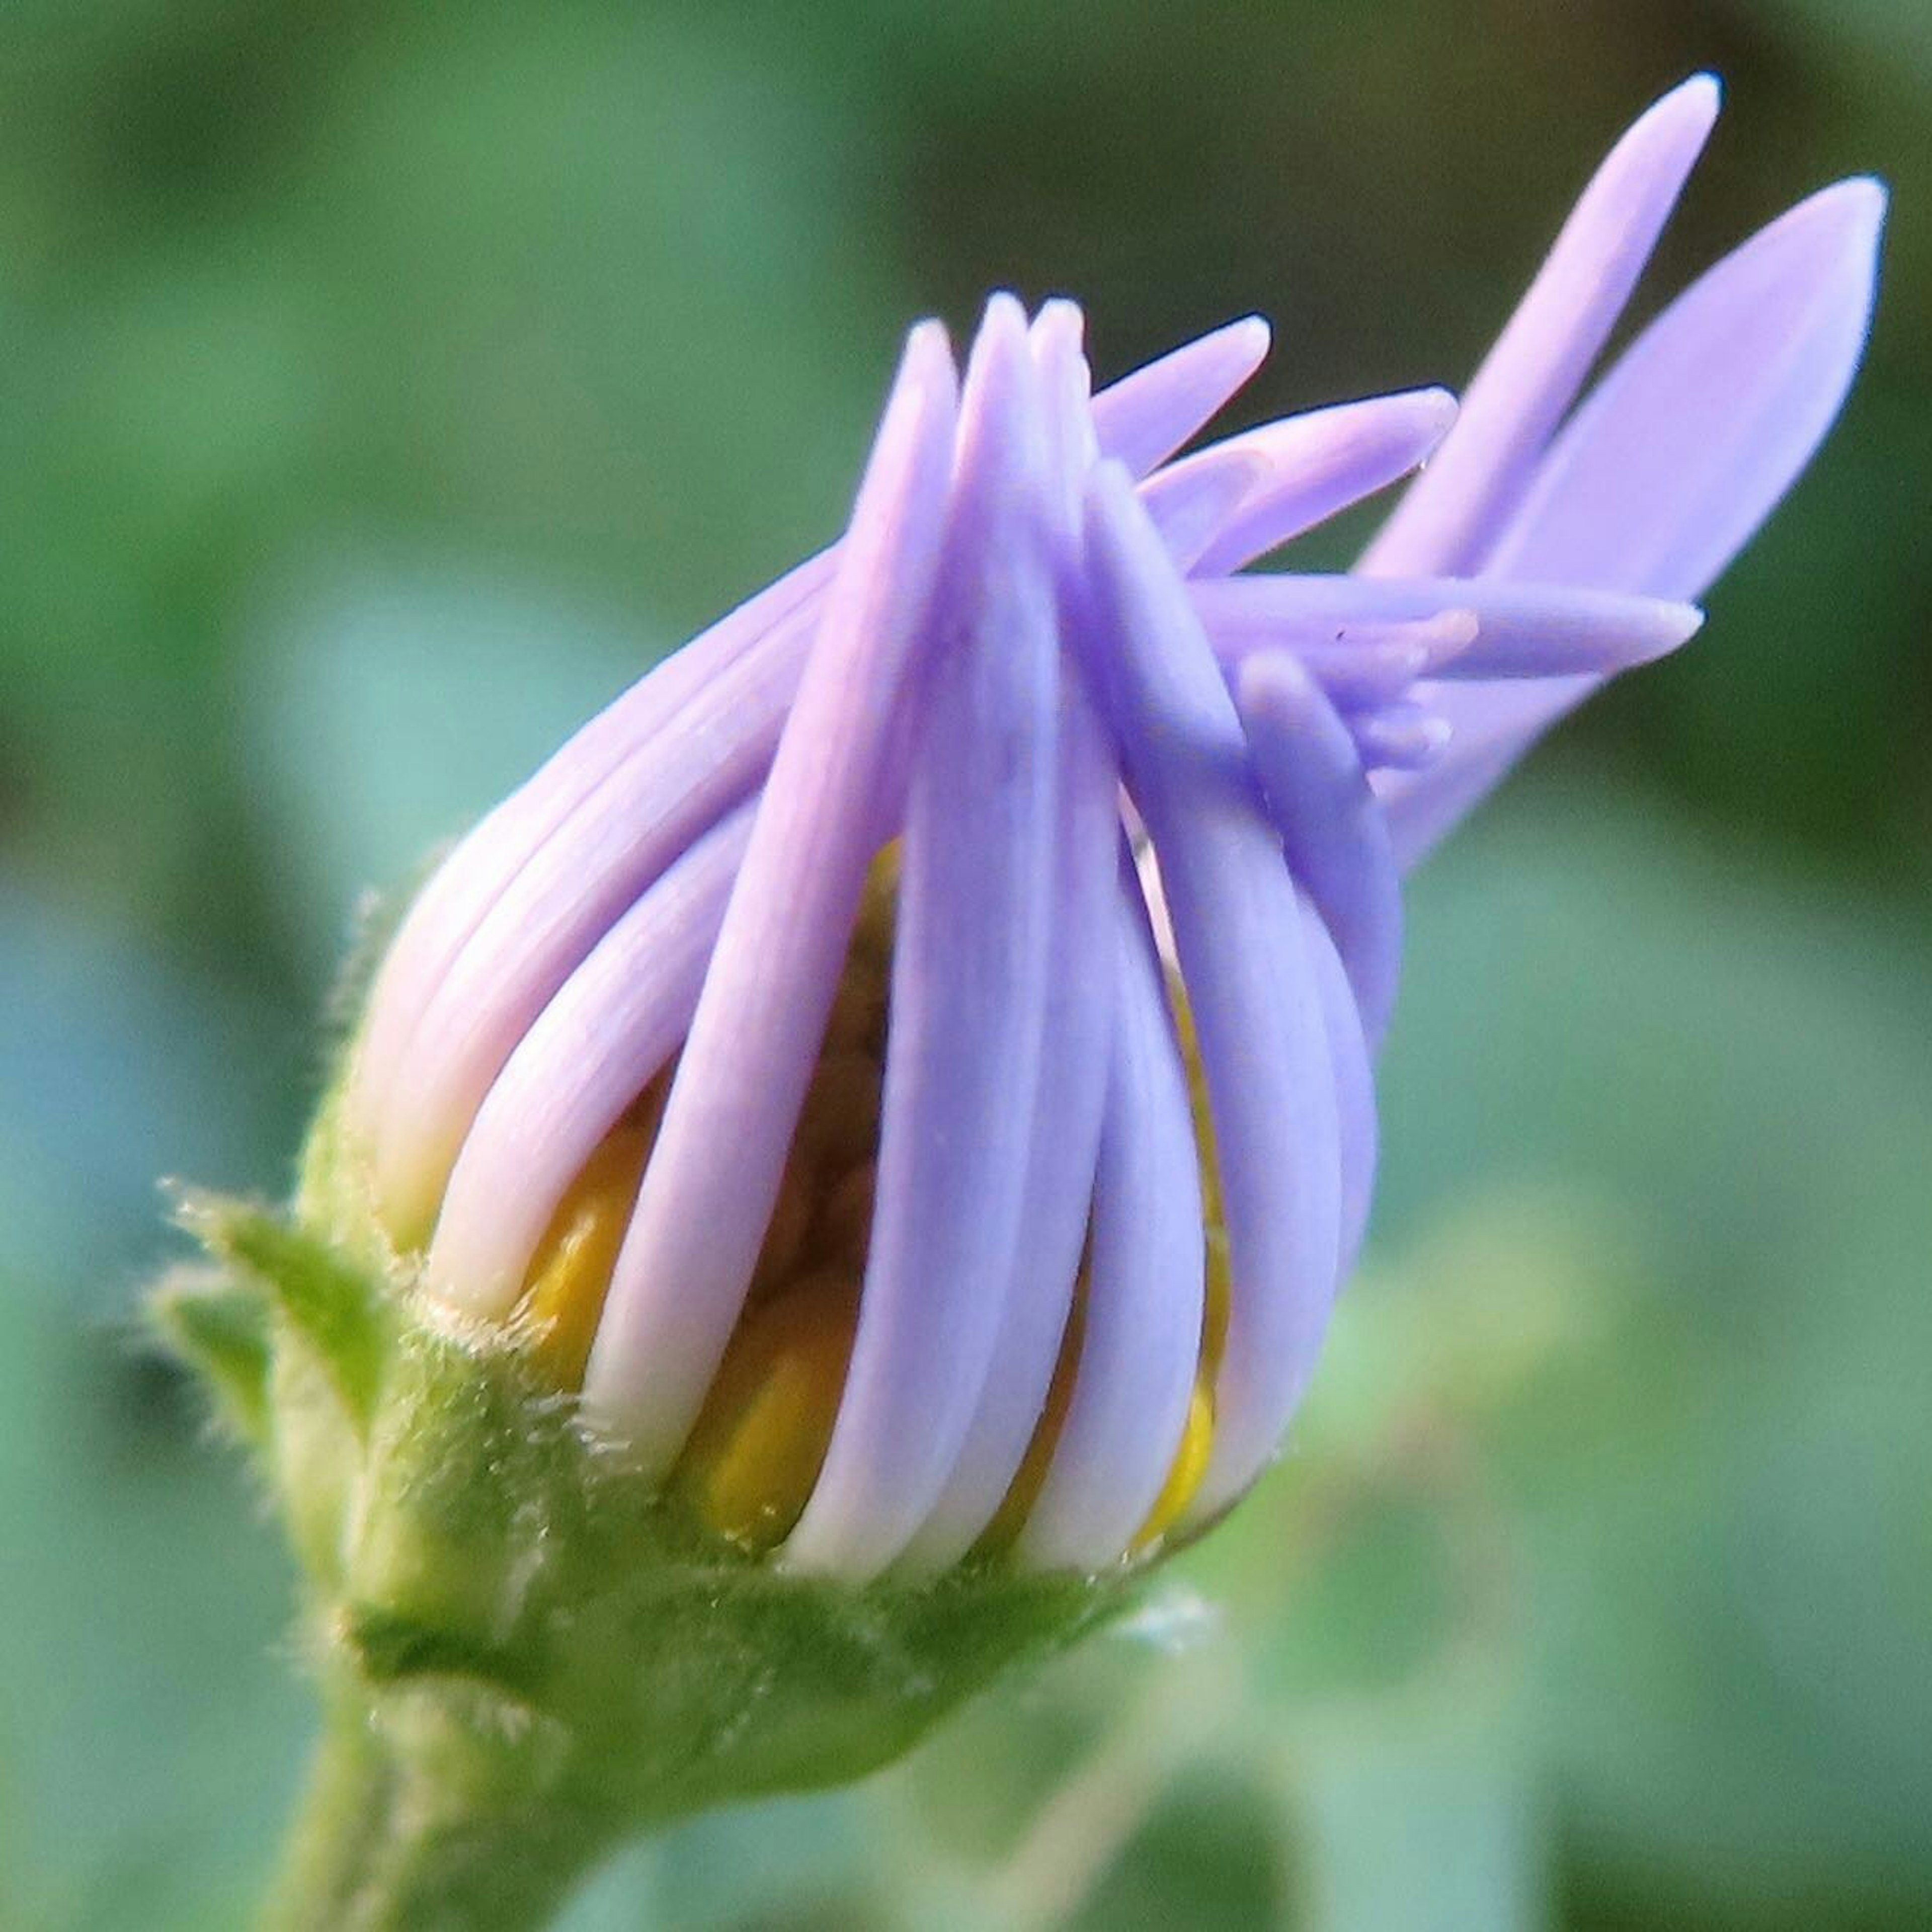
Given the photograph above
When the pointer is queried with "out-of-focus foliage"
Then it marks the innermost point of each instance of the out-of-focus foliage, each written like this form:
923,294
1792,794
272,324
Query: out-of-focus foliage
384,385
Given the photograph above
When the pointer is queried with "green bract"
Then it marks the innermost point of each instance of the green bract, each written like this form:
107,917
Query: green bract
526,1652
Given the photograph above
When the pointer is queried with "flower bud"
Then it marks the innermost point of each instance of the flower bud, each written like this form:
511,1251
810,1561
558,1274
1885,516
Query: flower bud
856,1156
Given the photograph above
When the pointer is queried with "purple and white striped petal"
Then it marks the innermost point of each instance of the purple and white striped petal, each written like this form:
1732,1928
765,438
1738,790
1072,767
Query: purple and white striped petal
1251,986
1319,463
612,1028
969,991
713,1175
1332,830
1140,1348
1450,516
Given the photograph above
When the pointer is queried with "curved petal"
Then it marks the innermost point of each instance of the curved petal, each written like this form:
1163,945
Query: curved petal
613,1027
1251,986
606,852
1332,829
1140,1340
969,993
1065,1130
713,1175
445,914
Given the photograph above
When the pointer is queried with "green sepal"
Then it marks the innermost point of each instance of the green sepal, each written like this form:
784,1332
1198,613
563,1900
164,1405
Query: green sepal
344,1316
220,1326
533,1650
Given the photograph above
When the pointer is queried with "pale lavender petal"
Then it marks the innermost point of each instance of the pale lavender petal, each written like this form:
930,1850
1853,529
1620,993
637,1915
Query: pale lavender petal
613,1026
1679,454
447,911
1191,501
1319,463
1523,630
967,1016
1066,1131
1450,515
1688,443
1257,1009
1332,830
1359,663
1400,737
1351,1060
607,851
1140,1349
1142,419
713,1175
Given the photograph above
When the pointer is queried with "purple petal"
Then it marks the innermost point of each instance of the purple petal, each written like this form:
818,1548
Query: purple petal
1142,419
1191,501
445,914
1351,1064
1682,450
969,992
1687,445
1400,737
604,854
1532,630
1319,463
1332,829
1450,515
713,1175
612,1028
1140,1348
1066,1128
1257,1009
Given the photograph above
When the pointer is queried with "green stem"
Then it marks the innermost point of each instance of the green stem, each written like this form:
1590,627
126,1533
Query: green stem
383,1842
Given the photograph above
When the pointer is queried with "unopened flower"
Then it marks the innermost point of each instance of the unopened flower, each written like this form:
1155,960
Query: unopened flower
898,1084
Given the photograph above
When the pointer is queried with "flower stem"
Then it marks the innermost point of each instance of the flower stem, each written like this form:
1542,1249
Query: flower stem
388,1838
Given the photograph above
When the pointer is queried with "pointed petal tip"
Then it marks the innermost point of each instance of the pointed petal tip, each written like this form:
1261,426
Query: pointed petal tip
1698,97
1861,202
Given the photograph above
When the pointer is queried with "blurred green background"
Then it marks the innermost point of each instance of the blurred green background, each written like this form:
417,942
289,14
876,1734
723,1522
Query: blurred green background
382,386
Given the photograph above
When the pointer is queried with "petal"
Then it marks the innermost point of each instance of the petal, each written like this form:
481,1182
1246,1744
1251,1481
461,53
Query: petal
1449,516
969,992
1142,419
607,851
445,914
1402,736
613,1026
1250,985
1531,630
1682,450
1332,829
1317,463
1066,1129
1140,1339
1687,445
714,1171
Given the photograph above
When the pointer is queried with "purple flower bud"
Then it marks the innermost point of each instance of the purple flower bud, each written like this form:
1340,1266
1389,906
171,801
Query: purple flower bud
908,1065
